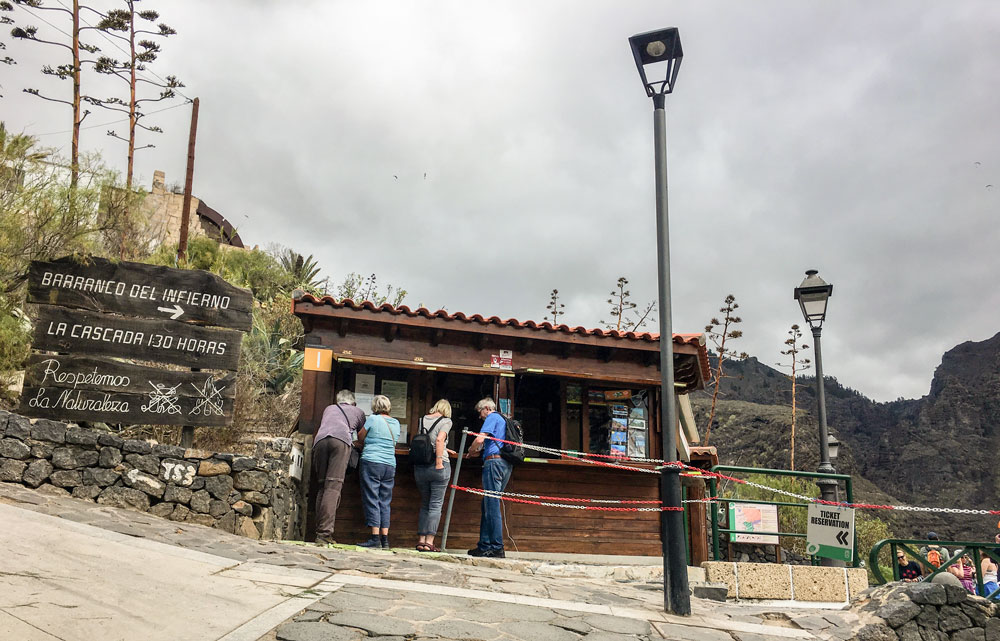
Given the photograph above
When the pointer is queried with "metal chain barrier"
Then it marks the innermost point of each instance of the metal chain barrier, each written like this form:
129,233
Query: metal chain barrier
577,456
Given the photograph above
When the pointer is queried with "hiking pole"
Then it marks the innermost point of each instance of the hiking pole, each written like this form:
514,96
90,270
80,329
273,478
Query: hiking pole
451,498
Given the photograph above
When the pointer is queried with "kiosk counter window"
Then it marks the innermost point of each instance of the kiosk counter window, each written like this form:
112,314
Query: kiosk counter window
554,412
587,417
413,392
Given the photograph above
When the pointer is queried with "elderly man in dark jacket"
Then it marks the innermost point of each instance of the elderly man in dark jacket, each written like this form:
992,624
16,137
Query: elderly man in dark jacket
331,451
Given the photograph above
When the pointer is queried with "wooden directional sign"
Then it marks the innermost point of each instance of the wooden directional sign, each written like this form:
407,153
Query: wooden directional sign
105,375
112,407
136,289
80,332
99,389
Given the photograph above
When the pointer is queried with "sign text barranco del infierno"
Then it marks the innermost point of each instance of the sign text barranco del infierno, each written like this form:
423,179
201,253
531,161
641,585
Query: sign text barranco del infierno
137,289
86,312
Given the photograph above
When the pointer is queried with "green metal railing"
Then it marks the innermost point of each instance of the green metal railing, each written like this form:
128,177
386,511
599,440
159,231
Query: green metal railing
956,548
730,469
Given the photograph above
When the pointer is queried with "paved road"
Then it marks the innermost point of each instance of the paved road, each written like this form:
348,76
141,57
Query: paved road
62,580
74,570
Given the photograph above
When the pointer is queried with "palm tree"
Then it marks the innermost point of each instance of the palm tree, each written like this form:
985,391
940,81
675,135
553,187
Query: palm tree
301,269
17,154
18,147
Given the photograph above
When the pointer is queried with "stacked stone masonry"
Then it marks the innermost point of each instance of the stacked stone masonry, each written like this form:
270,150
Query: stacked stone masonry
249,496
926,612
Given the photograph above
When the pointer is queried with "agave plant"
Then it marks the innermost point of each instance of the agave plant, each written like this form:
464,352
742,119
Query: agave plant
270,351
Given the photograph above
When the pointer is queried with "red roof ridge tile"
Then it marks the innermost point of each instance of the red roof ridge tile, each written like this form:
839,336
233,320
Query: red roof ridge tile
696,339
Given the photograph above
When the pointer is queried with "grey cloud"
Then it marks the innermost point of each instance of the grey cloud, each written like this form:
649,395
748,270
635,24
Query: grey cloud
840,136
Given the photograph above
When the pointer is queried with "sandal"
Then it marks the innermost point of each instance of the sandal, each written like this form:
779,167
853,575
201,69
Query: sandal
423,547
431,548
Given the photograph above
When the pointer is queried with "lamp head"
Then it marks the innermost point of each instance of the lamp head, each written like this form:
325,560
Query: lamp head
651,50
813,295
832,446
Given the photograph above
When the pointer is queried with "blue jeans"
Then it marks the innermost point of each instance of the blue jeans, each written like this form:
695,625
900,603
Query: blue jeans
377,480
496,474
432,484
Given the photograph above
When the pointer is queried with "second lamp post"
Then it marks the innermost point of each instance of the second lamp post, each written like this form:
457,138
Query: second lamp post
813,295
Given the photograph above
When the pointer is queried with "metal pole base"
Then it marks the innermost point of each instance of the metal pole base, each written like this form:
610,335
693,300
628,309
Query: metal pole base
676,592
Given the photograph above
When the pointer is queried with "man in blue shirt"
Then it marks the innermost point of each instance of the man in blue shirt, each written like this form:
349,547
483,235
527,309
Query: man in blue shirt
496,474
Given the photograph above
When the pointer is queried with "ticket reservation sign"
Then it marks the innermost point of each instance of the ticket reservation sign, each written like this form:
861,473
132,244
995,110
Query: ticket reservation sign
86,314
830,532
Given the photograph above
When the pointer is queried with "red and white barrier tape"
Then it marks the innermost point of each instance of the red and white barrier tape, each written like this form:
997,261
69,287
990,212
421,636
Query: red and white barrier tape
577,456
503,496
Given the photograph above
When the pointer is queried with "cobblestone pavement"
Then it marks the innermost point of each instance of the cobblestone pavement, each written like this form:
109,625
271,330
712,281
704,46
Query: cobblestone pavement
347,593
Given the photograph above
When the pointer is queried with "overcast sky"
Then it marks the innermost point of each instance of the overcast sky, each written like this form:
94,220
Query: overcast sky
480,154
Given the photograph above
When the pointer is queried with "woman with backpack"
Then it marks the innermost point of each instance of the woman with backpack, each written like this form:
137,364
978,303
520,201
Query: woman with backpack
431,470
378,470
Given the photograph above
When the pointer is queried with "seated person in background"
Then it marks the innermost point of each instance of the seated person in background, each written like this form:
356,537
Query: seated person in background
935,554
909,571
989,569
964,570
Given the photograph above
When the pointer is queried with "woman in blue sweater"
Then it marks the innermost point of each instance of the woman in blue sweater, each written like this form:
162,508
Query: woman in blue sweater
378,470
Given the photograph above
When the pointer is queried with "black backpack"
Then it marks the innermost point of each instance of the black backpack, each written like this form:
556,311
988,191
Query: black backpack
421,447
513,454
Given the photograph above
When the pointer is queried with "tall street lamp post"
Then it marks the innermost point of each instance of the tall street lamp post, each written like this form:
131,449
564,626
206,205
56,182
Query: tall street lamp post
813,295
659,52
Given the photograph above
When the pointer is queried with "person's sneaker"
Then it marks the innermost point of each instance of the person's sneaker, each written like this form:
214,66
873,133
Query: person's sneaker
477,551
373,542
495,554
325,540
384,538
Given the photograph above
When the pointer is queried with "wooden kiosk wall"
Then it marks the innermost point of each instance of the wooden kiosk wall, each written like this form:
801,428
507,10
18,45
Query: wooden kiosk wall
528,528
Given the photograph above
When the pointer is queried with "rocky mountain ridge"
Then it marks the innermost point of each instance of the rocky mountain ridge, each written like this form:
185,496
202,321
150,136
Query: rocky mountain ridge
940,450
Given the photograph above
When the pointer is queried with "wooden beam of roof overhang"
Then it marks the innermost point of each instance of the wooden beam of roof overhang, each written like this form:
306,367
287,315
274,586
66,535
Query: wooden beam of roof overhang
536,350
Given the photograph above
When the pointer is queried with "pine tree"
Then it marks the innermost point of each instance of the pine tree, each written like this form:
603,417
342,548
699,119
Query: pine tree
621,304
5,5
624,314
555,307
70,70
796,365
121,24
719,333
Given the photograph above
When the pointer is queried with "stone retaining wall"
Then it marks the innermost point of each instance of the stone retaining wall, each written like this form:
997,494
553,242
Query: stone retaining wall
772,581
756,553
250,496
926,612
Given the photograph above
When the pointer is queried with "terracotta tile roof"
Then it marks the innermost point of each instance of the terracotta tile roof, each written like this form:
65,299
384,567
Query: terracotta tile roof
695,340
